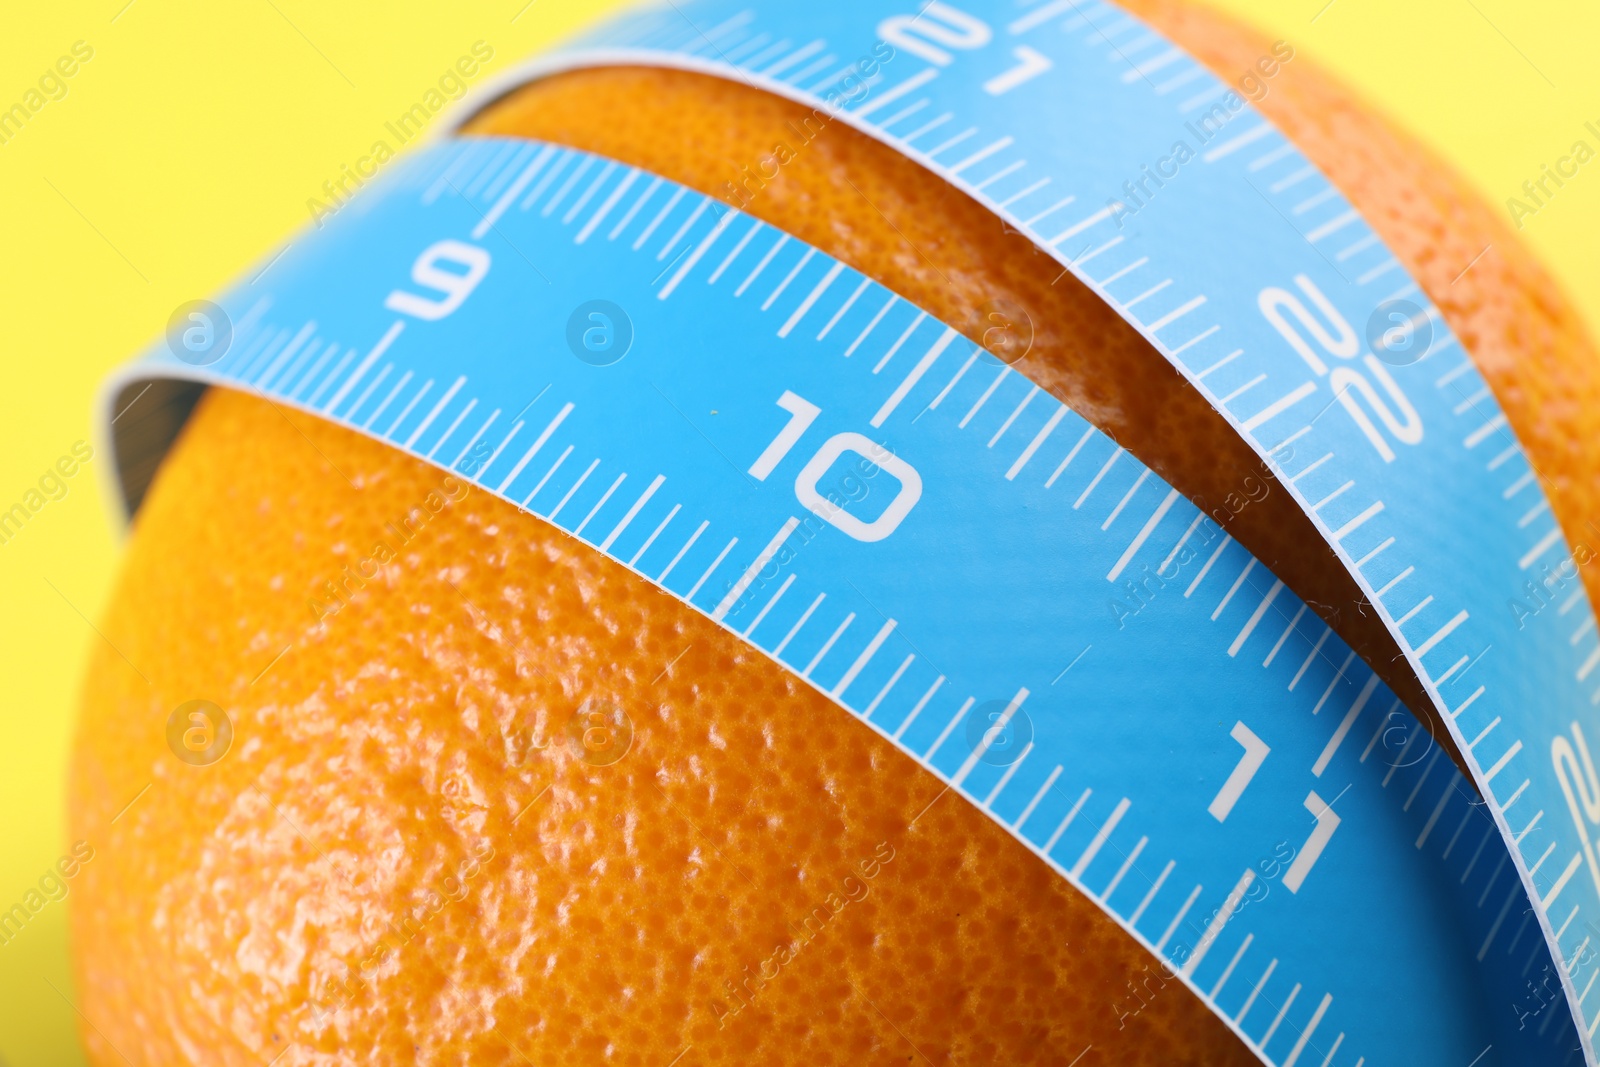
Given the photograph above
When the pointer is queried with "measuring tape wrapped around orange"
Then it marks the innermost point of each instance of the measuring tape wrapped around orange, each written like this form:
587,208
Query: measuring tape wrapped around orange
574,576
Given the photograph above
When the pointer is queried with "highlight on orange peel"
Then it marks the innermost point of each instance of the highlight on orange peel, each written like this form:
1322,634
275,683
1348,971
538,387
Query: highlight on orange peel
490,798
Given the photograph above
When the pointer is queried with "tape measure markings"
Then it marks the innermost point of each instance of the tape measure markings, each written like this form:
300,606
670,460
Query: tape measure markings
1346,218
1343,218
822,646
473,401
989,800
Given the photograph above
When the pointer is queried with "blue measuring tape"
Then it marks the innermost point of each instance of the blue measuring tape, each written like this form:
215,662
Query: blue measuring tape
925,536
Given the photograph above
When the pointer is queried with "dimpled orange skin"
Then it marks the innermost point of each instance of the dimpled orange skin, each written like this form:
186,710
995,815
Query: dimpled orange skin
424,724
391,744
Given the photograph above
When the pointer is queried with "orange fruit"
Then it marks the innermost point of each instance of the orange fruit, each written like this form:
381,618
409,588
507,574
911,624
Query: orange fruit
404,858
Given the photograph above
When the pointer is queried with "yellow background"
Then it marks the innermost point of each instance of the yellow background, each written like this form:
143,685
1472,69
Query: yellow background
190,143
